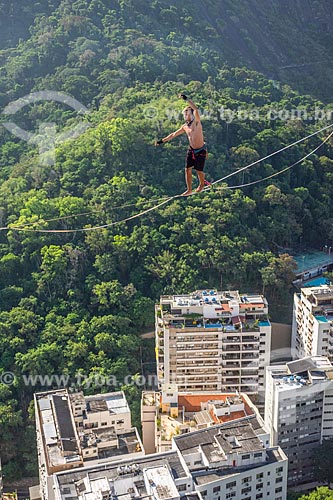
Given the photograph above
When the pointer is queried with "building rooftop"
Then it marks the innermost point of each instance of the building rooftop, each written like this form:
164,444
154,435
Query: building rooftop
231,401
198,411
302,372
228,449
318,292
309,363
66,443
116,443
161,483
237,436
202,477
225,299
114,402
126,479
58,428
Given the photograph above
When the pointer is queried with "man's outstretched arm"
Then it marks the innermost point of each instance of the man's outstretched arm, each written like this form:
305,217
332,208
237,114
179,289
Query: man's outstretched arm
192,105
170,136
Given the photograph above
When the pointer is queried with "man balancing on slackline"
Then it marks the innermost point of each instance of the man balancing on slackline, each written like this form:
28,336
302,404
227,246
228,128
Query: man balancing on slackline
197,151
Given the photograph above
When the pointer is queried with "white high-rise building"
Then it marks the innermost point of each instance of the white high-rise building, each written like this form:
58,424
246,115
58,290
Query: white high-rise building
312,330
213,341
299,411
168,413
74,430
229,461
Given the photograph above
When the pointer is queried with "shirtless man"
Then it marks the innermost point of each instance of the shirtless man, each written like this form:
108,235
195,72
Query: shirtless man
197,151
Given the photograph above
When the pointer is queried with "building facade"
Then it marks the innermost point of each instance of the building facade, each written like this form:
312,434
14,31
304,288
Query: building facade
299,412
312,329
169,413
213,341
228,461
74,430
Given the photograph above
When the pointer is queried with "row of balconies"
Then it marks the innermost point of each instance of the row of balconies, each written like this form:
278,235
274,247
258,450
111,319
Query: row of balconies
197,347
193,369
212,370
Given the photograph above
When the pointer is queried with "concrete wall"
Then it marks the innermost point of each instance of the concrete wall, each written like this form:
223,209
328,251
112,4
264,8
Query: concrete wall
281,338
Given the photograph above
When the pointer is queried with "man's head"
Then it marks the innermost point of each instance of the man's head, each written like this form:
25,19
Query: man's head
188,113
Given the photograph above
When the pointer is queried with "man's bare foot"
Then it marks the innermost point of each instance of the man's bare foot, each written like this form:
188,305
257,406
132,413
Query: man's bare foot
187,193
199,188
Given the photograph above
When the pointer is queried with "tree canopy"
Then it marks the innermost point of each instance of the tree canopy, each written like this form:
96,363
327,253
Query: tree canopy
76,303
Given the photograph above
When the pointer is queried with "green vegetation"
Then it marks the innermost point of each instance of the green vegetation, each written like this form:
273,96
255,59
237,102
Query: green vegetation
75,303
321,493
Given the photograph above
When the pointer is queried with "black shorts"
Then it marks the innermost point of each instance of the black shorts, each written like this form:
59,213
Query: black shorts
196,158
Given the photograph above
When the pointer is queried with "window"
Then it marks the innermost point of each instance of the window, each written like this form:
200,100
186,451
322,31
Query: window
216,489
246,457
259,486
278,490
231,494
231,485
204,493
257,455
66,491
279,469
104,423
260,476
279,480
246,479
259,495
246,490
120,422
182,487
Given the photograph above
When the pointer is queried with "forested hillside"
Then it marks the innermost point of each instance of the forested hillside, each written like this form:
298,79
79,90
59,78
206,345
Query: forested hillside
77,302
124,40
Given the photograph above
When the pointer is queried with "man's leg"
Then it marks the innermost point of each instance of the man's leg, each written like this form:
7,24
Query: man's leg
201,177
188,180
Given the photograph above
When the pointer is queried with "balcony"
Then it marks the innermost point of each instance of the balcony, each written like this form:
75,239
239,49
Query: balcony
229,357
227,365
248,355
249,338
251,347
230,348
229,340
249,373
249,365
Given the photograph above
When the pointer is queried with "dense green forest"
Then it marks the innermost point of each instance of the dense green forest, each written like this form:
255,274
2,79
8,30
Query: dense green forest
77,302
322,493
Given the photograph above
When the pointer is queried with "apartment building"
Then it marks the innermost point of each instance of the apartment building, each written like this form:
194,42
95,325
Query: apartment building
312,329
168,413
73,430
213,341
230,460
299,412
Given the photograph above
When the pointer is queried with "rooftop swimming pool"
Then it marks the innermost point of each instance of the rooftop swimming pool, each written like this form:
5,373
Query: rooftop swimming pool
322,319
317,282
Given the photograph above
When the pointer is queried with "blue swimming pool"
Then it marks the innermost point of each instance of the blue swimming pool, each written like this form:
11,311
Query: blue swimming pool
317,282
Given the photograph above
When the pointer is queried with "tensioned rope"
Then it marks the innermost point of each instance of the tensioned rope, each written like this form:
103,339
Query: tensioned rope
167,200
284,169
272,154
